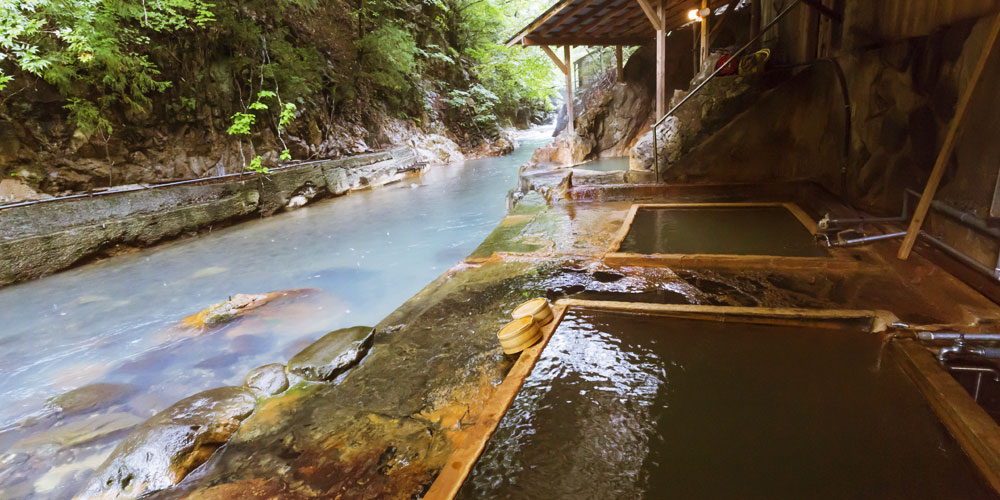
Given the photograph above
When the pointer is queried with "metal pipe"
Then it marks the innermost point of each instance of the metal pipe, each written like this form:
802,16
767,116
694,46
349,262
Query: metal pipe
157,186
969,261
715,73
903,217
865,239
960,215
929,336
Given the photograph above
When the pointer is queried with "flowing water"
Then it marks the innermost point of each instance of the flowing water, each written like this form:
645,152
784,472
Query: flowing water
622,406
359,257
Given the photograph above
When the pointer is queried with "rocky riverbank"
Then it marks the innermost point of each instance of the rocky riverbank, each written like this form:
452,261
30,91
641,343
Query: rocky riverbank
40,239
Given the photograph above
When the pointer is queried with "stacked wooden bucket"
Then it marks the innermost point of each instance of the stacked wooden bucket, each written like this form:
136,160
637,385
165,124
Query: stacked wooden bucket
526,329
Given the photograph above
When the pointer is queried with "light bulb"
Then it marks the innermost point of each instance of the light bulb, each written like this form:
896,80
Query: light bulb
693,15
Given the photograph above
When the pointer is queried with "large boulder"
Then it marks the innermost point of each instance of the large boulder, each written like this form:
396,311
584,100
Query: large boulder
164,449
333,354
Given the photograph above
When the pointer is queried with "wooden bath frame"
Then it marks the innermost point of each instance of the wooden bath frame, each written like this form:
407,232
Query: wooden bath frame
614,255
976,432
461,461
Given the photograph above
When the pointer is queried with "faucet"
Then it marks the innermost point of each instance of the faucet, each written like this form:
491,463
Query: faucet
959,348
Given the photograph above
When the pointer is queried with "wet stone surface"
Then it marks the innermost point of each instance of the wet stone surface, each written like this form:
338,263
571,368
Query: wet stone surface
333,354
267,380
164,449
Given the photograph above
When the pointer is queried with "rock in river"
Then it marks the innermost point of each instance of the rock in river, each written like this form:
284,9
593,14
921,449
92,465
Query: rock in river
164,449
267,380
90,397
333,354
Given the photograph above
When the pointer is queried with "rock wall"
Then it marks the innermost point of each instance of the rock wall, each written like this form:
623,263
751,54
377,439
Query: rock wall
44,238
42,157
612,114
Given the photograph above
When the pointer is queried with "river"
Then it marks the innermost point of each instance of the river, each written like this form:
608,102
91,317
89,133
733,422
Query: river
362,255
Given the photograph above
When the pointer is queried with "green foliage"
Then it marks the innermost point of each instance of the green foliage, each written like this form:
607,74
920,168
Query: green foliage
257,166
95,52
388,60
241,123
262,62
506,79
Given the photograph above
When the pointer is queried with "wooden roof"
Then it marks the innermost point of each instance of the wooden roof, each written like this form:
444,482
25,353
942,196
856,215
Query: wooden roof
603,22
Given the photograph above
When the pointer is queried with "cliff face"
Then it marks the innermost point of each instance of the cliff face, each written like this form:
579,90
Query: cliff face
354,87
612,114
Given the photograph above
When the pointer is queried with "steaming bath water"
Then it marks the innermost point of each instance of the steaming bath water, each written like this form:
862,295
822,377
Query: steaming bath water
624,406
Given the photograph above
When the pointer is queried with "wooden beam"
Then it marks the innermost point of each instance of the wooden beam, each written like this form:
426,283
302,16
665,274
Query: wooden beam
619,65
609,41
877,320
552,55
949,145
661,69
704,36
569,92
651,13
967,422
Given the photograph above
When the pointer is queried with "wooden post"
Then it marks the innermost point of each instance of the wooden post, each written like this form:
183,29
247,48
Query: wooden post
621,67
569,91
949,146
704,35
661,63
754,18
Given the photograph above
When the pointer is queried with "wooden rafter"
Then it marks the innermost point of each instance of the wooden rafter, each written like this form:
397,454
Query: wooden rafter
650,11
622,15
548,27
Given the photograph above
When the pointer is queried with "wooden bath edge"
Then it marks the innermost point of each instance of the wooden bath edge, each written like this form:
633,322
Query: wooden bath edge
976,432
461,461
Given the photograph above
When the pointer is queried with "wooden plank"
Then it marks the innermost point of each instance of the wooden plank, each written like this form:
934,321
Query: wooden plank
571,117
463,458
651,13
723,261
616,241
976,432
949,145
802,216
552,55
878,320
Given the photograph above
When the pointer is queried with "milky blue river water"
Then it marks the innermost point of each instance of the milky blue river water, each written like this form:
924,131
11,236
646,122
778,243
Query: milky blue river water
364,254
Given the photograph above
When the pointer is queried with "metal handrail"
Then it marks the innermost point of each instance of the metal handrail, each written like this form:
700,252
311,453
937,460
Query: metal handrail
737,54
